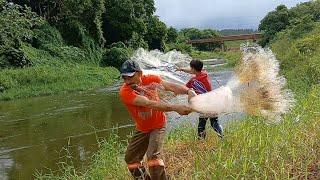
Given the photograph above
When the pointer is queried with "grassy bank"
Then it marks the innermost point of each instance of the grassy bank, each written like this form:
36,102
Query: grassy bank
251,149
46,80
52,75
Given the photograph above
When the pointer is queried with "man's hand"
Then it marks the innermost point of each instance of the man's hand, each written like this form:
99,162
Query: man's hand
162,106
178,68
182,109
176,88
191,93
184,69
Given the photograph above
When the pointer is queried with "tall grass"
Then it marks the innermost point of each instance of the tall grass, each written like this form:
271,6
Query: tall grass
251,148
45,80
106,164
53,74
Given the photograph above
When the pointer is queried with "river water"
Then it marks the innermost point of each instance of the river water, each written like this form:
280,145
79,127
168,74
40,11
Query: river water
38,133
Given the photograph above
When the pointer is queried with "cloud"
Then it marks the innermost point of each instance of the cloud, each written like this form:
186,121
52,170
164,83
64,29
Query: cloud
218,14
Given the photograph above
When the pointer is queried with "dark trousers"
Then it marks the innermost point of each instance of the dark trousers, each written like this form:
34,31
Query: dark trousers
202,126
150,144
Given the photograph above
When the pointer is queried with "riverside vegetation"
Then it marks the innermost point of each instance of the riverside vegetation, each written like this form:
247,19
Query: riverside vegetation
251,148
47,47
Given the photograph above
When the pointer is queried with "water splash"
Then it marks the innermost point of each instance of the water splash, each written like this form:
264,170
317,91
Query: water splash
163,64
257,89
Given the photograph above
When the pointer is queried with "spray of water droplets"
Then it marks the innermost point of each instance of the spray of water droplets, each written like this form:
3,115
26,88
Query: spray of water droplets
163,64
256,88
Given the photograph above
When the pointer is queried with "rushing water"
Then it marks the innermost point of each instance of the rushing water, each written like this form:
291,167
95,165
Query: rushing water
257,88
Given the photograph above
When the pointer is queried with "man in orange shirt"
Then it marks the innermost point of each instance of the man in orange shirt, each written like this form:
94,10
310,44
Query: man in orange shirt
140,96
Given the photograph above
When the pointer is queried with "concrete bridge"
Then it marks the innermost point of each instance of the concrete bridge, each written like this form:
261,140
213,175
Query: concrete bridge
222,39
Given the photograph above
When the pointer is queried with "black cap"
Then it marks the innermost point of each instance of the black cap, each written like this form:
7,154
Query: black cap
129,67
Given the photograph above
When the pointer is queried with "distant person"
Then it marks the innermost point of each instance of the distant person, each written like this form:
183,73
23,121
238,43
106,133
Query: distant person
201,83
139,95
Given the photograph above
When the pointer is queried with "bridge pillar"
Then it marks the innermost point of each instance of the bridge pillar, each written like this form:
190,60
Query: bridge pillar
222,46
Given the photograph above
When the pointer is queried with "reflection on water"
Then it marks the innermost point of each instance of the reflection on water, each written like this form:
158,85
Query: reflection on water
34,132
38,133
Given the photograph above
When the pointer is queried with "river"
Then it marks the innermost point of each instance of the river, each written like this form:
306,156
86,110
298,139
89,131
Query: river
38,133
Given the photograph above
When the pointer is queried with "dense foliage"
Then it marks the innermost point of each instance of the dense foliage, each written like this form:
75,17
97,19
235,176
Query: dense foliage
16,27
282,18
71,27
115,56
178,39
251,149
294,36
82,31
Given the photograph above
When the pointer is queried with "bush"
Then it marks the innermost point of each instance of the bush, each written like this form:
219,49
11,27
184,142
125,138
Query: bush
183,47
301,27
118,45
308,45
299,58
137,41
16,27
115,57
48,38
3,61
46,34
14,57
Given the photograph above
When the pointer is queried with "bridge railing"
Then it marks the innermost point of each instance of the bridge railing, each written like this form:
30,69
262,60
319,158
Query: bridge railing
227,38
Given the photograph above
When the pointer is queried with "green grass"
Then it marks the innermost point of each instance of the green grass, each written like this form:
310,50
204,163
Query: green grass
251,149
46,80
106,164
53,74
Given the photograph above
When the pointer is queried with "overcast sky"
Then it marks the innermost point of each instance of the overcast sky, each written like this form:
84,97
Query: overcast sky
217,14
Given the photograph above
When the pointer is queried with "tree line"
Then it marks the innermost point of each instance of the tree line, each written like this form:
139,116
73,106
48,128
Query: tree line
104,31
301,17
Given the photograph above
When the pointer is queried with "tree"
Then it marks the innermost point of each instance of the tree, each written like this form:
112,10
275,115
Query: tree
17,24
172,35
77,20
149,7
311,8
137,41
191,33
274,22
122,18
209,33
115,56
227,32
156,34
